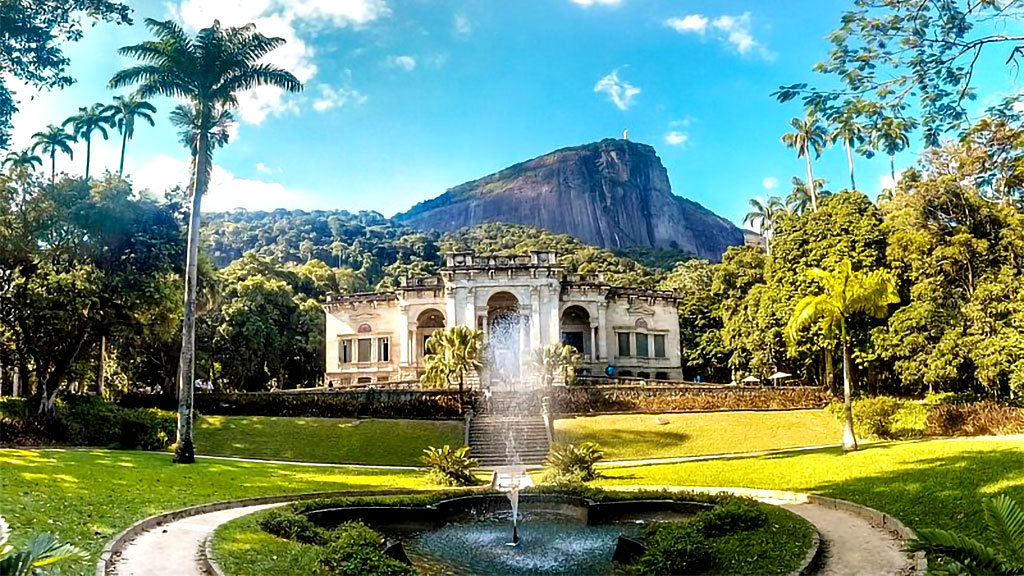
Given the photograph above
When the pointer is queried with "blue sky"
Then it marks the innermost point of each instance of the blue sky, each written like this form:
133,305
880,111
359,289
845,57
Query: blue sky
406,98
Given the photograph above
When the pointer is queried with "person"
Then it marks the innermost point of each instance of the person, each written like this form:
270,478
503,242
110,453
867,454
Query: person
487,398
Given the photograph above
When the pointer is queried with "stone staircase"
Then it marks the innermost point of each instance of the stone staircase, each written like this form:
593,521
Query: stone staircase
509,425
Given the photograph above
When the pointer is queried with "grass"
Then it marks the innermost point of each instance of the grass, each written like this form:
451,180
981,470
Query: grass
926,484
636,436
88,496
334,440
778,547
241,548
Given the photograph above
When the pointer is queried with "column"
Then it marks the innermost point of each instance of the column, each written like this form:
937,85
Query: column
595,330
449,306
536,337
403,334
554,323
470,308
414,346
602,331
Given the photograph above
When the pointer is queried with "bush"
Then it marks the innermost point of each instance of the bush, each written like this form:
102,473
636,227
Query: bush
977,419
448,466
651,399
571,462
735,515
292,526
885,417
14,408
357,551
147,428
675,548
89,421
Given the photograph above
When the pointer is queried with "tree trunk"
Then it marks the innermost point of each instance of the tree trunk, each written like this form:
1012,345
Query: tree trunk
830,371
101,372
88,155
185,451
849,438
53,168
810,179
46,391
849,160
124,144
892,169
461,401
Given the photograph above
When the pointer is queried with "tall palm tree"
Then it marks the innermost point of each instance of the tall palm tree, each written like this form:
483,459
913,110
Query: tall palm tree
763,216
52,140
209,69
556,360
186,118
454,352
808,136
892,135
799,197
845,293
21,163
124,111
851,133
95,118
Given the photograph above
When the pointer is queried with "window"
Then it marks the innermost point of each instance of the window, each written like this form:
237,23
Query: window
659,345
661,375
623,343
384,349
364,350
574,339
641,345
644,375
345,351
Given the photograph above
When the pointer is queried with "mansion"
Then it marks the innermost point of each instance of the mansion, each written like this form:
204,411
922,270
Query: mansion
520,303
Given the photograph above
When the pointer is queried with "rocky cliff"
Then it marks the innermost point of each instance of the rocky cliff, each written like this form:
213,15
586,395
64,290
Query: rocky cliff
612,194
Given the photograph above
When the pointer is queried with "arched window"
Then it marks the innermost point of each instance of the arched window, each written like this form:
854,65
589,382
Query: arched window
641,323
365,329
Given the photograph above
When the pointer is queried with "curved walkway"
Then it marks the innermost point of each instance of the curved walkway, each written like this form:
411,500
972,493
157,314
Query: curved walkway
851,544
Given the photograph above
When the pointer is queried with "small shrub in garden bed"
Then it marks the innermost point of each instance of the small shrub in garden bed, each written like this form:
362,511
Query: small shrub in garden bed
734,515
572,463
675,548
889,418
14,408
450,466
977,419
292,526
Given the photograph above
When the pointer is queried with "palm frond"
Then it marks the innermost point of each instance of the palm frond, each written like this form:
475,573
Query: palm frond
1005,522
974,556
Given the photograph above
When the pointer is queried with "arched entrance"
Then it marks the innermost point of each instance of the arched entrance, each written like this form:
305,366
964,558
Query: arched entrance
504,337
576,331
429,321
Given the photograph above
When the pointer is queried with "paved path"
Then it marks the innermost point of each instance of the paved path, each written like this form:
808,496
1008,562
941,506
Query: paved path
851,545
174,548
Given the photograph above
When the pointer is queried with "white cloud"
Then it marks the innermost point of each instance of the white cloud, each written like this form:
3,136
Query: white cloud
336,97
770,183
462,24
262,168
227,191
689,23
405,62
283,18
887,183
594,2
733,30
676,138
619,91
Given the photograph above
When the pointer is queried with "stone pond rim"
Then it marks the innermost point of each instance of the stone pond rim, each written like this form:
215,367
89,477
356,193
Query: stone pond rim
612,194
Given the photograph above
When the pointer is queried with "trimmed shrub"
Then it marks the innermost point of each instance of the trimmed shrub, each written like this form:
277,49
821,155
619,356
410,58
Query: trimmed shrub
977,419
13,408
571,463
675,548
735,515
89,421
357,551
292,526
147,428
885,418
657,399
450,466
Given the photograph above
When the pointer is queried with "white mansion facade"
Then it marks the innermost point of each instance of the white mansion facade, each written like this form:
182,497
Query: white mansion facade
380,337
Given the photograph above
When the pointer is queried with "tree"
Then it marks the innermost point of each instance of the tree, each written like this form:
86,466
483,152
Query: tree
851,133
52,140
892,136
799,197
808,136
763,216
123,112
22,163
210,70
454,352
95,118
186,118
845,293
556,361
956,554
895,52
34,33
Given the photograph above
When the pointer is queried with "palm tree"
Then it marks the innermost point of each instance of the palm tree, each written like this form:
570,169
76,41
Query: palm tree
210,70
850,133
22,163
800,197
807,136
454,352
124,111
556,360
892,135
1004,521
186,118
763,216
844,294
95,118
52,140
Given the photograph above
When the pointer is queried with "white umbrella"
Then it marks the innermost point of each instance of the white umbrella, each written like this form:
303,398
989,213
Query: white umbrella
751,379
779,376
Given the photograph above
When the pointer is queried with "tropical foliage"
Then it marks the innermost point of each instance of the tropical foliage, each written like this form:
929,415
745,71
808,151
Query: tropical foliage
449,466
556,362
453,353
952,553
574,462
41,552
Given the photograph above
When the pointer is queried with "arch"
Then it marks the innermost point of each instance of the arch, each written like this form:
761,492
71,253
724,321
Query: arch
504,336
575,329
641,323
364,329
430,318
503,299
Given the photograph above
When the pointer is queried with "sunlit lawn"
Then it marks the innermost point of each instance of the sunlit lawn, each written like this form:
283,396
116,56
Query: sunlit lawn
634,436
933,483
88,496
335,440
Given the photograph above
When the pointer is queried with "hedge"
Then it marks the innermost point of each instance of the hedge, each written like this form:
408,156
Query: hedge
658,399
87,421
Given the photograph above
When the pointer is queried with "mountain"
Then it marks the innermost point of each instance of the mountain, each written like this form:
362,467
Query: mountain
612,194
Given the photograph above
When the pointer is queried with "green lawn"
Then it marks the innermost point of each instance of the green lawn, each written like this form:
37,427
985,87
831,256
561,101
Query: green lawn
88,496
634,436
334,440
929,483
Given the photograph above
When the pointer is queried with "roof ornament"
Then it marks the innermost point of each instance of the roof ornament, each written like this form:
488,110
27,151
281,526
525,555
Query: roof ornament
625,134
